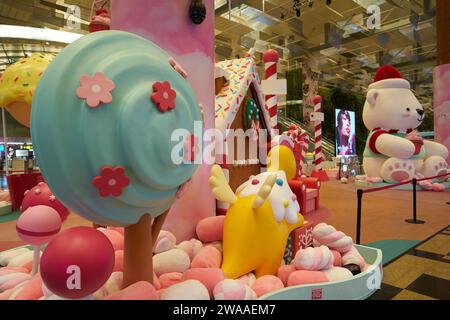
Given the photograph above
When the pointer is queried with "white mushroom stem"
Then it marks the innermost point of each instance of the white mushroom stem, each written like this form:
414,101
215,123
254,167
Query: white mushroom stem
36,258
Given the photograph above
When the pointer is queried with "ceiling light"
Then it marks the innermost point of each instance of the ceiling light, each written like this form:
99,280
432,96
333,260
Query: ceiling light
20,32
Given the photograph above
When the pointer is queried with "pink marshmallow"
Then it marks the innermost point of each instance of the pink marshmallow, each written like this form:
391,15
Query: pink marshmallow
166,241
208,257
168,279
303,277
174,260
248,279
7,270
353,257
32,290
141,290
6,294
324,234
21,277
438,187
191,247
210,229
337,258
208,277
117,229
266,284
284,272
338,274
160,293
314,259
115,237
229,289
118,263
113,284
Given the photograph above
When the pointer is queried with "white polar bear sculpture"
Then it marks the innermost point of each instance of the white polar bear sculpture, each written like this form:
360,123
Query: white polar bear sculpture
394,151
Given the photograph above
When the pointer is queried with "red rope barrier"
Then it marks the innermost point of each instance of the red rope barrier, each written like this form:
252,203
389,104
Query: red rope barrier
441,176
401,184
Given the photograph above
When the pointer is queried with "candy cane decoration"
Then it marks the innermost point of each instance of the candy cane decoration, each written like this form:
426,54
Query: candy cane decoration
317,117
318,159
270,59
301,144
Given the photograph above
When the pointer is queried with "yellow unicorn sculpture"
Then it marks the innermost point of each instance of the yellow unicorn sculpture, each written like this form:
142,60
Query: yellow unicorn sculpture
262,214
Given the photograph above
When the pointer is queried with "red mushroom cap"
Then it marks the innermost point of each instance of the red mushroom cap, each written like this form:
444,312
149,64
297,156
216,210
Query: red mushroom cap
42,195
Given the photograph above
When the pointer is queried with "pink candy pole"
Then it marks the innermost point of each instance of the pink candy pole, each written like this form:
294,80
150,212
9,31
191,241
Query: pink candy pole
270,59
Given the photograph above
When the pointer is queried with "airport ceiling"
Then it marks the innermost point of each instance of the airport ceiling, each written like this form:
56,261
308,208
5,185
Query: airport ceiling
333,37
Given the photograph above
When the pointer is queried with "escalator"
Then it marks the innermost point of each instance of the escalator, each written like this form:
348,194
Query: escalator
328,146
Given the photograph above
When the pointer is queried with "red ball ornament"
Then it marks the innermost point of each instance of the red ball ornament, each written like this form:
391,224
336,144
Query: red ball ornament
42,195
77,262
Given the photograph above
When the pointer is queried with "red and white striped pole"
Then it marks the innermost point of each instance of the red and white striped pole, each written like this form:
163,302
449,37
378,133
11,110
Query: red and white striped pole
304,143
317,118
270,59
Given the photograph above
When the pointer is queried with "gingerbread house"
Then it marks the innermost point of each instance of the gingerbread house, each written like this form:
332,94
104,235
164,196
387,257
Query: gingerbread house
240,104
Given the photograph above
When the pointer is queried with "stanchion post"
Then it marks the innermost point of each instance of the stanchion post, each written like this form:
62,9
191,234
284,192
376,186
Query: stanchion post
358,216
414,205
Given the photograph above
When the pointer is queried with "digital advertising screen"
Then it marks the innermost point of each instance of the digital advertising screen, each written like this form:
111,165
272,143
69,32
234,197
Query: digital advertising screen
345,133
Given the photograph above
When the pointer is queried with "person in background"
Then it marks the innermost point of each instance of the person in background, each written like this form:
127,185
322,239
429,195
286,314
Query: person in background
345,138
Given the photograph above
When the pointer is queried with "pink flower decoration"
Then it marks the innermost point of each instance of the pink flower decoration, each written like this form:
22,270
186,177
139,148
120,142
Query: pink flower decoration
95,89
163,96
111,181
190,147
182,189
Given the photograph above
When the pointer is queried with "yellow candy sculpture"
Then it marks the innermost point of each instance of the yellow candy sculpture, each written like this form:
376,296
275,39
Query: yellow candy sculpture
17,85
262,214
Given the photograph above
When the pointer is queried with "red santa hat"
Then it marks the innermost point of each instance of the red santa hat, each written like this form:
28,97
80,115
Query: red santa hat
389,77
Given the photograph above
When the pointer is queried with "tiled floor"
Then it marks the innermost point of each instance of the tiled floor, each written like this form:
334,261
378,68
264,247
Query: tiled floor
423,273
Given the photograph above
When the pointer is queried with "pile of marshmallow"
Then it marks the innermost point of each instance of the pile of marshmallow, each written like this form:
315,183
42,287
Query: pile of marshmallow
191,269
333,257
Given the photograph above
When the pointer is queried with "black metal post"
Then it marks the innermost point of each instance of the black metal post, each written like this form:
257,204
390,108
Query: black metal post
359,193
414,219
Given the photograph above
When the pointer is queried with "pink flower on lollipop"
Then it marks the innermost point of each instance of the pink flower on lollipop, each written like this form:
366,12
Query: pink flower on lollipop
163,96
190,147
111,181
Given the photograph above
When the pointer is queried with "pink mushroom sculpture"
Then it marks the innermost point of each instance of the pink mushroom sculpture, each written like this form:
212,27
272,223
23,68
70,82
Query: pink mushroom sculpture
38,225
42,195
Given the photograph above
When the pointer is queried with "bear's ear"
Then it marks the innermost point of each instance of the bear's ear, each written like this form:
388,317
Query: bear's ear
372,97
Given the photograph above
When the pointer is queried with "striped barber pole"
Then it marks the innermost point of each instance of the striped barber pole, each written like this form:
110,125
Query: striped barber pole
270,59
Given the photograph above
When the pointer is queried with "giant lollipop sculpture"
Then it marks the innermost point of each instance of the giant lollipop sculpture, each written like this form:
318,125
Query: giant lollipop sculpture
102,122
18,84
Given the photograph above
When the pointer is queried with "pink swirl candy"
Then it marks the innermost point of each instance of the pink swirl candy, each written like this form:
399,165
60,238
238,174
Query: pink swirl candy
324,234
314,259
